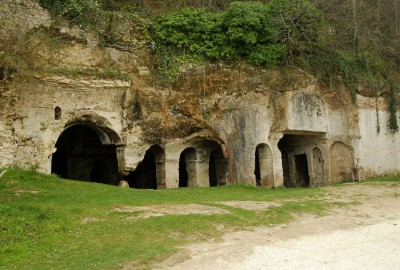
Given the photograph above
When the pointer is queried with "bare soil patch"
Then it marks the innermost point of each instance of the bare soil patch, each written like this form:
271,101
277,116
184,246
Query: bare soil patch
251,205
169,209
366,205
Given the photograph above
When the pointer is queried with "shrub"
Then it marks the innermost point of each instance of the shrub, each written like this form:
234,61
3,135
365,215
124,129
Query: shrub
294,23
267,55
69,8
244,25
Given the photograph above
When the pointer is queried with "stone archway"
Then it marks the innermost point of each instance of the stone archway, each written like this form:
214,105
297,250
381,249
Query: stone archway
81,155
263,171
188,168
341,161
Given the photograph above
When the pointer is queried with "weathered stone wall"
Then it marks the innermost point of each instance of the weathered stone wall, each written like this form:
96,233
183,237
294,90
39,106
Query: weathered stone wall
21,15
34,125
378,153
264,123
8,141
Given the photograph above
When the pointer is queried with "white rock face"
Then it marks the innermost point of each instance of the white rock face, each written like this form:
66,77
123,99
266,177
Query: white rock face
307,112
379,153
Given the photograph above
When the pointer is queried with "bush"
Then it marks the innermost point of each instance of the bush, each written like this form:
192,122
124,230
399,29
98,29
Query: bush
263,34
294,23
192,31
244,25
71,9
267,55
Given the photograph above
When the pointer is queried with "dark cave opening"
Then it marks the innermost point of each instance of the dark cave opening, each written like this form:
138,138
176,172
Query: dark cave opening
218,167
144,177
81,156
294,149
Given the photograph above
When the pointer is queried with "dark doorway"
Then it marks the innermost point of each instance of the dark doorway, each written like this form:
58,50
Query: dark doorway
295,149
187,167
100,171
145,174
81,156
257,171
285,167
183,175
218,167
301,170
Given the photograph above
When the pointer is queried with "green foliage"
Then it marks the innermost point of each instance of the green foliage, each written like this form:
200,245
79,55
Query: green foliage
120,5
267,55
193,32
69,8
244,23
264,34
295,23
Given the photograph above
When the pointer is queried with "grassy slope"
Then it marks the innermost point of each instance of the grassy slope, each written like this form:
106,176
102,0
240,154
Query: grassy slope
41,220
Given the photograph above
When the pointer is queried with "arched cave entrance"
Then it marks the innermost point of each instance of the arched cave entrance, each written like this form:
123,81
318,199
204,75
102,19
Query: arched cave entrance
218,167
150,173
263,167
188,168
298,152
81,156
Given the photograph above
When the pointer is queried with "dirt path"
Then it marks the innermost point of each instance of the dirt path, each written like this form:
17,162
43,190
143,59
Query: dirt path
364,236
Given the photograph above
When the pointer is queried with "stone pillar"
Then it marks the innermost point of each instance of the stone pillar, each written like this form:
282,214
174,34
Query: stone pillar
191,168
171,173
160,174
266,169
203,173
277,168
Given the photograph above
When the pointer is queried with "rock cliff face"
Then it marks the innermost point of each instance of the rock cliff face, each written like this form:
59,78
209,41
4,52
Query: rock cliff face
216,124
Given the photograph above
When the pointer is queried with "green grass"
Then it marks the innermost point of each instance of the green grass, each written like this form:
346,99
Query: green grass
41,220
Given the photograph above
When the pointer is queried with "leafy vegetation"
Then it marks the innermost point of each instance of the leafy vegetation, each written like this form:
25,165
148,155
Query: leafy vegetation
70,9
263,34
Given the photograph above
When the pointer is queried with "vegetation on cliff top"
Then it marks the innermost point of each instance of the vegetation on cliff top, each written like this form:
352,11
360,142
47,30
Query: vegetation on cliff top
355,42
